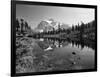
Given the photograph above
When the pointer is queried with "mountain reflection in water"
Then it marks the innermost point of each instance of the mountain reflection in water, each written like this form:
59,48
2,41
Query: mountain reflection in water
68,54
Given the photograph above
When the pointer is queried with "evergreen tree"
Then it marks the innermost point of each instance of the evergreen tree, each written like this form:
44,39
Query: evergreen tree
17,24
72,27
26,26
22,25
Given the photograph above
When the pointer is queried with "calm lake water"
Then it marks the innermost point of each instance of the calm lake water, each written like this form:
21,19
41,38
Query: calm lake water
68,54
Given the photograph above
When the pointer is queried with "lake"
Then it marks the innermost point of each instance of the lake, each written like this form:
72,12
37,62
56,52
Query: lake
65,54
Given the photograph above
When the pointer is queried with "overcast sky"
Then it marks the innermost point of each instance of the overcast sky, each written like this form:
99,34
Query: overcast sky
34,14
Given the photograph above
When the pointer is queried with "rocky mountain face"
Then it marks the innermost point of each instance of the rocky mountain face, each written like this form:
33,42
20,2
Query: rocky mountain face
49,25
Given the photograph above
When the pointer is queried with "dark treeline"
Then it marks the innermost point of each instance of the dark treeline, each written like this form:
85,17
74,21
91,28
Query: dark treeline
84,30
76,31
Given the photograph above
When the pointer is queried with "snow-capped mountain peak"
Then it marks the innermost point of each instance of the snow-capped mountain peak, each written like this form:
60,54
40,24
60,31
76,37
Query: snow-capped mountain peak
49,25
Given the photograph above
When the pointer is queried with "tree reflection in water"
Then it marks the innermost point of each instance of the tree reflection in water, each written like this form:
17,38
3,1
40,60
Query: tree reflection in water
61,42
